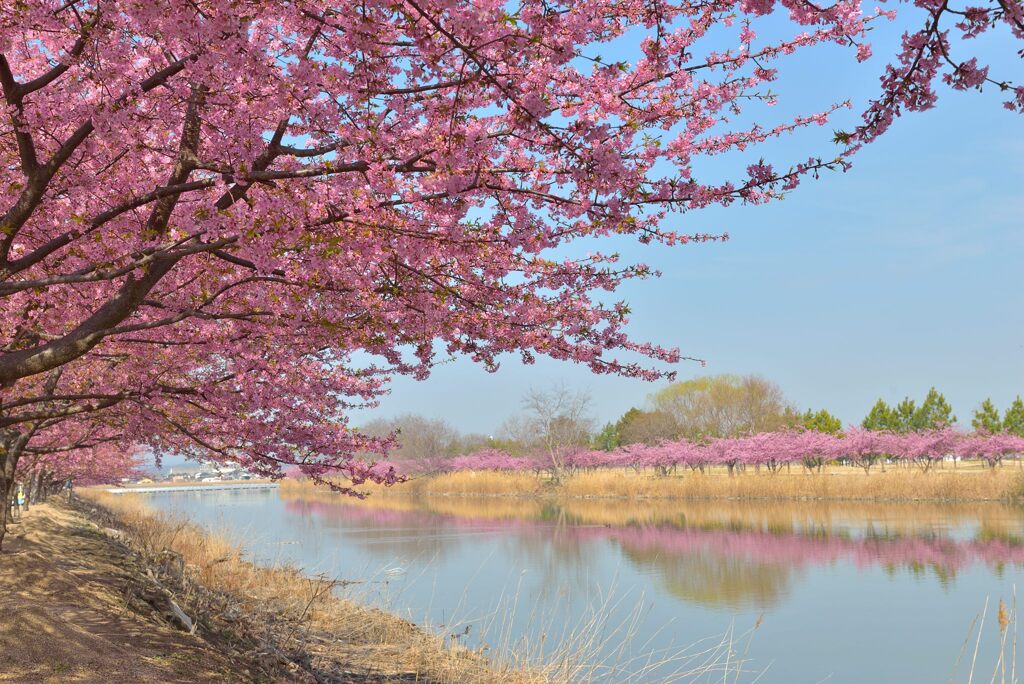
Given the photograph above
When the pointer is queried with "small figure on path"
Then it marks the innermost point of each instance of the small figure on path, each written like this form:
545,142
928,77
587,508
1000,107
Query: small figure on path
68,485
19,500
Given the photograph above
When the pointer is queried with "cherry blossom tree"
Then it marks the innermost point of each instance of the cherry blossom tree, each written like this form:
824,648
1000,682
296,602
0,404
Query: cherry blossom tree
924,448
815,448
493,459
774,450
102,464
222,407
931,54
991,448
214,211
207,186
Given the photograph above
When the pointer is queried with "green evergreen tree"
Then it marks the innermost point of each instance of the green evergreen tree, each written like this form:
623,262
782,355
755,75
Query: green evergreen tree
821,421
934,413
1013,420
986,418
880,417
904,416
608,438
626,418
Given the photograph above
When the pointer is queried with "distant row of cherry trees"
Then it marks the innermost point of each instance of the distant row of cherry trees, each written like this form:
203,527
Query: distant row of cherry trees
557,423
773,451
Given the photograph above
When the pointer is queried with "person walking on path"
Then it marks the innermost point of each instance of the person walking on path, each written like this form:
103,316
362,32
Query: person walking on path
19,500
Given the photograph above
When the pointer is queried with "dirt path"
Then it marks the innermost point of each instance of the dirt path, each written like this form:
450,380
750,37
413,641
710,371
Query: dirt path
67,614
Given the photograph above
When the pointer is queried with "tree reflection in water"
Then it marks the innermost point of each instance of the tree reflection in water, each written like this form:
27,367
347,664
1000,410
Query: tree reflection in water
712,553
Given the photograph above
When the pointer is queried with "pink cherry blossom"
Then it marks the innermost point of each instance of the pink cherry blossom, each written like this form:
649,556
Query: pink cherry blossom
224,225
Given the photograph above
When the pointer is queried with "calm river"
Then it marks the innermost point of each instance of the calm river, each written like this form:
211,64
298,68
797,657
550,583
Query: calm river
840,592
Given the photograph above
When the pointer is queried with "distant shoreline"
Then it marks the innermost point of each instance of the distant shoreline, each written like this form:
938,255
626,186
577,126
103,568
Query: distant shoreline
185,483
836,483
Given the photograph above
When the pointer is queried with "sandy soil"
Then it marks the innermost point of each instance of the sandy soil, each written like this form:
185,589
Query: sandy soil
70,611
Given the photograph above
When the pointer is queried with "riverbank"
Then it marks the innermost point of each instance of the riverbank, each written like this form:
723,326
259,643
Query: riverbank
104,589
197,484
970,481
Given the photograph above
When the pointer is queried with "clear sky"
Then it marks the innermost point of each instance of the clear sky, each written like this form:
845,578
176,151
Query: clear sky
904,273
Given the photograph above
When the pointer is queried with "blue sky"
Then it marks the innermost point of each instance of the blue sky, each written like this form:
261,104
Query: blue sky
901,274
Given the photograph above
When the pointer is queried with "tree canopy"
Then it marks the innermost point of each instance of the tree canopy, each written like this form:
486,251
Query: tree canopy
725,406
1013,419
986,418
214,212
821,421
934,413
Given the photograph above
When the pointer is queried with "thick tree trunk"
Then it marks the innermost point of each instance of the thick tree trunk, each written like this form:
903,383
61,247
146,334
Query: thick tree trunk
11,446
29,484
6,482
36,491
46,484
5,499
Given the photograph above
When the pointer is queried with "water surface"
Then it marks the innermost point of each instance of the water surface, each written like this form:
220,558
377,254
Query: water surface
839,592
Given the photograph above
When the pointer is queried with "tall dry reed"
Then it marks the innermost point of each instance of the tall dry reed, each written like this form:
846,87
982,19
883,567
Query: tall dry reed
965,483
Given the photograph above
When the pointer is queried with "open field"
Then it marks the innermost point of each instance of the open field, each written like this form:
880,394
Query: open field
968,481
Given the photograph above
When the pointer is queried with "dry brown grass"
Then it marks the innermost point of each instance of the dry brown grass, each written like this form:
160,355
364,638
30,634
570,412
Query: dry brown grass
967,482
475,482
836,483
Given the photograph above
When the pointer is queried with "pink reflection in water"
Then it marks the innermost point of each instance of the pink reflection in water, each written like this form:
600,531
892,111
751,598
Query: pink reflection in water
795,547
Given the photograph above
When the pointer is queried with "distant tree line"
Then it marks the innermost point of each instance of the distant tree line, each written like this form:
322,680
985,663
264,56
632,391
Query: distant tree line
735,406
704,408
550,421
699,410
